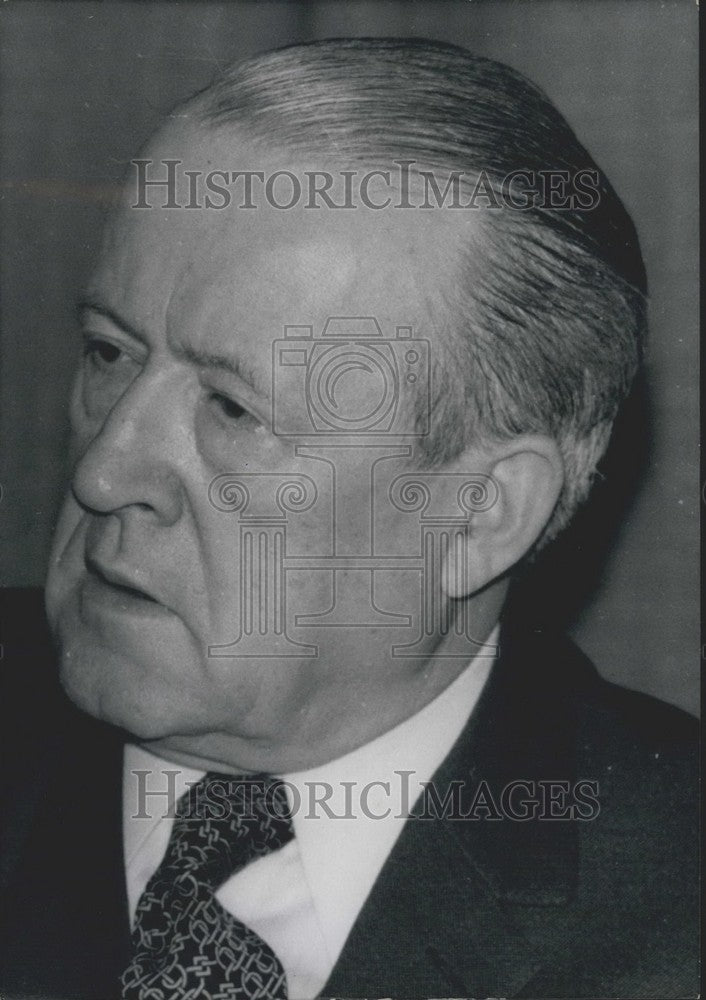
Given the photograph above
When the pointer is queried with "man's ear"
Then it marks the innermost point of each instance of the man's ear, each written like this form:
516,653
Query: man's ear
528,474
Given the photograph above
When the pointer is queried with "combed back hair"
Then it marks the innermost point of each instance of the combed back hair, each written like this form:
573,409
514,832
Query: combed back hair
543,334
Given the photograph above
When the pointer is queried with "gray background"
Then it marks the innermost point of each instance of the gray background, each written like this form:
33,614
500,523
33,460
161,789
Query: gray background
83,83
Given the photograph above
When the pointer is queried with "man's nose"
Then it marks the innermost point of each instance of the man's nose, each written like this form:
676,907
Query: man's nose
133,460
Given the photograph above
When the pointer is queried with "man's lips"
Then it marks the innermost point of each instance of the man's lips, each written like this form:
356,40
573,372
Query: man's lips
121,583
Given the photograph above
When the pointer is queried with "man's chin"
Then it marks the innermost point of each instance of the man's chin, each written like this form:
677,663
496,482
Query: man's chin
113,690
128,677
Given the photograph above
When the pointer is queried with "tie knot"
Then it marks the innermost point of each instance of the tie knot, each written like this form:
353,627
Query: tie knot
225,821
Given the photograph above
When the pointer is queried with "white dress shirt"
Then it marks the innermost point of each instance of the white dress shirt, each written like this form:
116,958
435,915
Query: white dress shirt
347,814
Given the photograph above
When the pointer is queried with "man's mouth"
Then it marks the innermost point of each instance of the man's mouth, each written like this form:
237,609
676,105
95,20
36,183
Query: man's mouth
119,586
131,592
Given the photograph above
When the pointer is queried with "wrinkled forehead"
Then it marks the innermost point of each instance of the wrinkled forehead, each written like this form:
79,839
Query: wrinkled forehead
174,252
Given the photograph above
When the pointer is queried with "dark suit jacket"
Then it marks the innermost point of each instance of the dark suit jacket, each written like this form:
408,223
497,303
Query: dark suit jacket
601,907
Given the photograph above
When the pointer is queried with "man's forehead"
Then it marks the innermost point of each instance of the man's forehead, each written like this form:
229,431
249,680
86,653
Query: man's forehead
197,268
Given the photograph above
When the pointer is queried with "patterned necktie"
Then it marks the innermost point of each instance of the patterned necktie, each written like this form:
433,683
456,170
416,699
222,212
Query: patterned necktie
185,946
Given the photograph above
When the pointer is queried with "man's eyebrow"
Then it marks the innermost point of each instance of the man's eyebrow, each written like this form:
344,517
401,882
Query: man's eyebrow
91,304
224,363
204,359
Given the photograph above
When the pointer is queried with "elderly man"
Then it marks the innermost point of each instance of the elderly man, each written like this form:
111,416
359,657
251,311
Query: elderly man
364,316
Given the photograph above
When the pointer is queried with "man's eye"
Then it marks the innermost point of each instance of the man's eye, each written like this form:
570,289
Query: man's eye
107,370
101,353
227,406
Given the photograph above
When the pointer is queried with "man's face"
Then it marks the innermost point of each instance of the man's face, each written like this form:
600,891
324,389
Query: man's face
175,389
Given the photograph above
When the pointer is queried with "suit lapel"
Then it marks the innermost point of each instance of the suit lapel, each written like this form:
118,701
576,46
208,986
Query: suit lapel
444,917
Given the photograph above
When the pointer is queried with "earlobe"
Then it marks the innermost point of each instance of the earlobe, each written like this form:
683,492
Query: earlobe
528,475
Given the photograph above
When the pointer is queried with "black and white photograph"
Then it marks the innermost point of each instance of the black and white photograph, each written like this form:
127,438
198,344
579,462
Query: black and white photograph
349,499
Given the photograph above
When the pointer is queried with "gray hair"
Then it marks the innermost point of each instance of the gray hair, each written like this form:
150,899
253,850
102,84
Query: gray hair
547,336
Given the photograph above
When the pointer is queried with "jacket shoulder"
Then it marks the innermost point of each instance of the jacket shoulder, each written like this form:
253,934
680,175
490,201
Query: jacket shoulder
619,715
637,727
